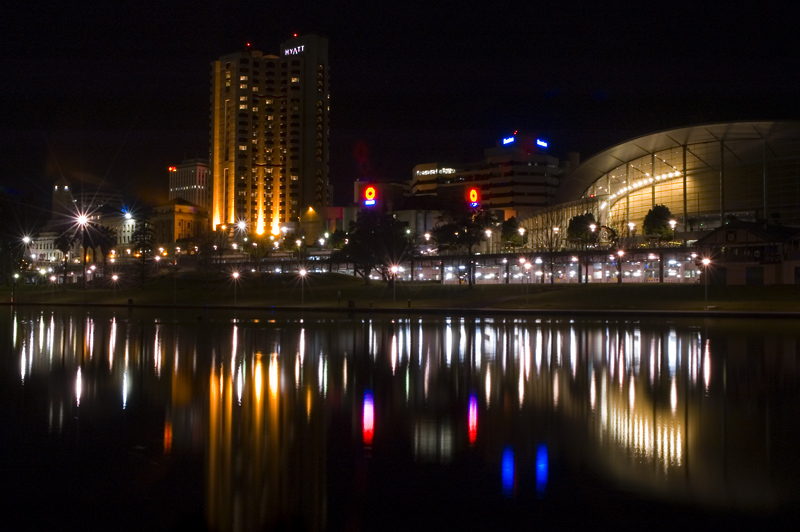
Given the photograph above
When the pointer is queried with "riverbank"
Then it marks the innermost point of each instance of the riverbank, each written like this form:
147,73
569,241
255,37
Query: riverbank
332,291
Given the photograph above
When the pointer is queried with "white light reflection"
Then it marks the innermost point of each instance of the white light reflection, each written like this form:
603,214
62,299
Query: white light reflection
124,390
344,374
707,366
157,351
78,387
631,393
673,396
555,390
488,386
394,353
573,351
448,342
112,343
239,385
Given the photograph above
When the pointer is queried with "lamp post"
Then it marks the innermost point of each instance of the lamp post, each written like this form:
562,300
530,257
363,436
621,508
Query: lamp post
528,267
521,237
14,287
394,283
235,282
83,221
706,262
303,273
114,279
620,254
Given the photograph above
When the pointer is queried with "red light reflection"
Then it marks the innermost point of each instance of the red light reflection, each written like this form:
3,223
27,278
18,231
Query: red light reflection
472,419
369,417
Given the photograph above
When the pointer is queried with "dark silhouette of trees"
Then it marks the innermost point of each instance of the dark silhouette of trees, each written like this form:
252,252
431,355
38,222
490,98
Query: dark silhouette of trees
461,229
656,223
142,241
375,241
583,232
64,243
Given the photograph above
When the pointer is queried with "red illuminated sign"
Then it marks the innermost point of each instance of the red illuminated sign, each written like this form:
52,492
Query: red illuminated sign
370,193
474,197
173,169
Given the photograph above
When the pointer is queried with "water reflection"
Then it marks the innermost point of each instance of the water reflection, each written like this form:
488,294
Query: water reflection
676,410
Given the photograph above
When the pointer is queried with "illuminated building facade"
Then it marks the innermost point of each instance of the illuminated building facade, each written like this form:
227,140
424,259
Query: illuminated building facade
516,176
189,181
706,175
270,135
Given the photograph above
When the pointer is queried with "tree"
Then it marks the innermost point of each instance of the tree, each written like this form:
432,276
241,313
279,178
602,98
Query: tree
105,238
656,223
462,228
510,235
142,241
337,239
583,232
375,242
64,243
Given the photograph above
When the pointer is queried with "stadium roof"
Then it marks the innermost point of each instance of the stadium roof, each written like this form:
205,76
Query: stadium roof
596,166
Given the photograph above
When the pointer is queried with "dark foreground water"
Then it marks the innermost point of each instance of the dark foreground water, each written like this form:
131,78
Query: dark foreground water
148,420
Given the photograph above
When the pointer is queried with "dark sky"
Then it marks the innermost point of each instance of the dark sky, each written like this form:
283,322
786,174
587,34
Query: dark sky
117,93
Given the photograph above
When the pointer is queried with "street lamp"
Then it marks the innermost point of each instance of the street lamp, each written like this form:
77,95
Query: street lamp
394,283
14,287
114,279
706,262
302,273
620,253
82,222
235,282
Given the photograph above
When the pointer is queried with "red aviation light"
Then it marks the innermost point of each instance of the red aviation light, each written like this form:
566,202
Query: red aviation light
474,198
370,195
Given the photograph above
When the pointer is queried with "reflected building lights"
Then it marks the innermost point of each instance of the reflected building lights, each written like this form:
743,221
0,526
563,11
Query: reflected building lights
642,427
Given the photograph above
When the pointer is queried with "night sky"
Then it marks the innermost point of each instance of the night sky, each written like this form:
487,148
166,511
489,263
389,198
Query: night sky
117,93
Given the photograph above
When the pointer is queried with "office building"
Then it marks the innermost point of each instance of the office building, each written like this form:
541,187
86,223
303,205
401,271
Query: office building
189,181
270,135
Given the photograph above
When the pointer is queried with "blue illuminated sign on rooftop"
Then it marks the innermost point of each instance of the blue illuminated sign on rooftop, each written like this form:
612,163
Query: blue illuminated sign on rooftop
542,143
508,140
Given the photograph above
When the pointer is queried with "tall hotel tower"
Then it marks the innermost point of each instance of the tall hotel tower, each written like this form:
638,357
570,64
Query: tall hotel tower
270,135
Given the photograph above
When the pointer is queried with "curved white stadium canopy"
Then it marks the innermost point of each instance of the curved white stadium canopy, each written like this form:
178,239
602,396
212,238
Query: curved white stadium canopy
598,165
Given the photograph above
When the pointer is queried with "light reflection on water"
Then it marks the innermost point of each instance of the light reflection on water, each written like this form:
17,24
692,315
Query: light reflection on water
677,411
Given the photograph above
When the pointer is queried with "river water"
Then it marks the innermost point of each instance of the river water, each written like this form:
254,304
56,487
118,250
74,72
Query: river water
147,419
